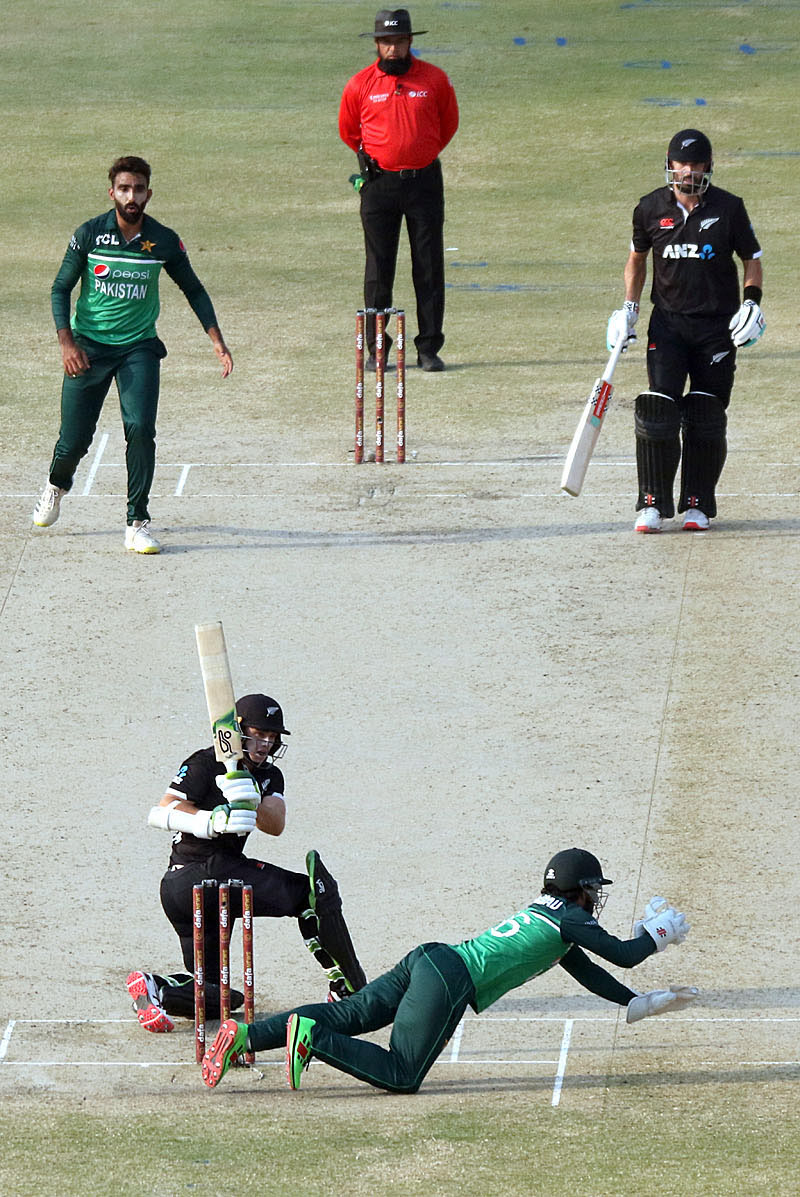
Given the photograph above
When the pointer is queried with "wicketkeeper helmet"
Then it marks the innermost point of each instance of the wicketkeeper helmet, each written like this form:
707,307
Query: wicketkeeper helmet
575,868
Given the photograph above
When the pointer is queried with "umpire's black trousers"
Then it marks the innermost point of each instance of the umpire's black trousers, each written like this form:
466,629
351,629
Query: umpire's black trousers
385,200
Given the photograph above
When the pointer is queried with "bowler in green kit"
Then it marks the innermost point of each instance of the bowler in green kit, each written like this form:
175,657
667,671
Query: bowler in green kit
425,995
111,337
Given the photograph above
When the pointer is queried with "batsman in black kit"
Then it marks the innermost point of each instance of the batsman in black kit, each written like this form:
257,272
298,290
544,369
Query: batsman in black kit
698,322
212,813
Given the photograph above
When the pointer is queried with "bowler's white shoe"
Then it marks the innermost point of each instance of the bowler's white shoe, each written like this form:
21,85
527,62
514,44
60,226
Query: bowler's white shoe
48,509
696,520
139,538
648,520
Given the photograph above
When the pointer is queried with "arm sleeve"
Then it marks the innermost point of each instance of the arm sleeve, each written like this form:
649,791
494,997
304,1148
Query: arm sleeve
640,240
745,242
179,269
69,272
588,934
448,113
594,978
195,781
350,117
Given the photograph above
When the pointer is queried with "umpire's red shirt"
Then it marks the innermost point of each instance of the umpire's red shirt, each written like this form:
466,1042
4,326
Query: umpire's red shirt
403,121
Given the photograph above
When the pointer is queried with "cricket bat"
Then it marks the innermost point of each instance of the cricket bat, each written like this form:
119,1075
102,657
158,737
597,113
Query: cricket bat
220,698
589,425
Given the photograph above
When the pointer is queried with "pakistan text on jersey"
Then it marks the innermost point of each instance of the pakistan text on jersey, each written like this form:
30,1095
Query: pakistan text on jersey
121,290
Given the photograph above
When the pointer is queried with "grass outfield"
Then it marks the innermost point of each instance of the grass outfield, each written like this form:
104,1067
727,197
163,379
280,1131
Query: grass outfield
566,110
670,1141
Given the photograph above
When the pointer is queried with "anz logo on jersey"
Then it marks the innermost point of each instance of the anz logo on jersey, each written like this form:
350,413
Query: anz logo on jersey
705,252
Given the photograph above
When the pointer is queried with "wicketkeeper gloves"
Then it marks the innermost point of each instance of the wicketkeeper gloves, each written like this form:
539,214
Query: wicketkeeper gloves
663,923
660,1000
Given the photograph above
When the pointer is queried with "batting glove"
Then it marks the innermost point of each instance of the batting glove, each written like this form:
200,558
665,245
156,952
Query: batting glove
747,325
666,927
659,1000
240,789
227,821
621,325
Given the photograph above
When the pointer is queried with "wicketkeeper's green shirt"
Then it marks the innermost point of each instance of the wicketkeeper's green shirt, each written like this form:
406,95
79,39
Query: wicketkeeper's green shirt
119,302
546,933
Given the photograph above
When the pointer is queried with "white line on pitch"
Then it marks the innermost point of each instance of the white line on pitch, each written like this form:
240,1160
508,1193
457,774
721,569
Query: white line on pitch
101,448
562,1062
4,1042
182,480
456,1042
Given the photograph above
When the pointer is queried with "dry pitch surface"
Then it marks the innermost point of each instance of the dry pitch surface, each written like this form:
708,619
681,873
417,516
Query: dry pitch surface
476,669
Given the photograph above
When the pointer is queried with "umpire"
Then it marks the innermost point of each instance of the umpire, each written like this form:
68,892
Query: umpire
398,114
693,230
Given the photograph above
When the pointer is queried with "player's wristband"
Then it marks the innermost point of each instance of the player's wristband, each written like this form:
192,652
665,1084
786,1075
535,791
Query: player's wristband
754,293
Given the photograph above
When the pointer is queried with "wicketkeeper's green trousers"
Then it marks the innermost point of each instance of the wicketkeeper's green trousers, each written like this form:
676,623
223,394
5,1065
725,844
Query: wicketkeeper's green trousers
423,997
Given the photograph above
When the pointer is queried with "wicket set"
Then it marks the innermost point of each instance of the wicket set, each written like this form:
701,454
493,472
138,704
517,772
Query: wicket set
381,315
225,928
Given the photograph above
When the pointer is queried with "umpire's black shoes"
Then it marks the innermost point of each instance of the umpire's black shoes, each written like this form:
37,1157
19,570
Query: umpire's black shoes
431,363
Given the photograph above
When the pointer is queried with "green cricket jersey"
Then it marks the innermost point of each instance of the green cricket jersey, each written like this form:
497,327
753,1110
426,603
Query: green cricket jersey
544,934
119,301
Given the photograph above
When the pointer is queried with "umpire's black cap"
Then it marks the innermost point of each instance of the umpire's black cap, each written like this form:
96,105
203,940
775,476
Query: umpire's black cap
393,22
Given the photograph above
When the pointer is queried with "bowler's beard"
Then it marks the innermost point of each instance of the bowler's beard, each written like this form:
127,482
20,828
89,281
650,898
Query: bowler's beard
131,212
395,66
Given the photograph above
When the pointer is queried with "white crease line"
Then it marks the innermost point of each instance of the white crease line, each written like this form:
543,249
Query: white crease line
456,1042
4,1042
101,448
182,480
562,1062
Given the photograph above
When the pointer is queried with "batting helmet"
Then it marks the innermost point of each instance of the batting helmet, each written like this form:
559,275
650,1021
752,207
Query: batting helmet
265,714
261,711
692,147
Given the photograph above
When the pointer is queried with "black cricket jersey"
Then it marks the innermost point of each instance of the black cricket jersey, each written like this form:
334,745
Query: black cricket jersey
196,782
694,272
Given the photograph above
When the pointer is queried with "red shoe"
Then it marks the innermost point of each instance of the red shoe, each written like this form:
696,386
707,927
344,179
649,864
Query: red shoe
229,1046
144,992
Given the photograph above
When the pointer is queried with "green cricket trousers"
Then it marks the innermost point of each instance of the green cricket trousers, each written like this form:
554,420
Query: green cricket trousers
136,370
424,997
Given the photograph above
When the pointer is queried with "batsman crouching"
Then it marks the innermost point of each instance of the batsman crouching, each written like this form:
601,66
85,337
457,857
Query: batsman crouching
425,995
211,814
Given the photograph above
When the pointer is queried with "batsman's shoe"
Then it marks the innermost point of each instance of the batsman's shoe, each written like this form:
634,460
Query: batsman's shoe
648,520
139,538
298,1048
230,1042
696,520
146,1002
48,509
338,990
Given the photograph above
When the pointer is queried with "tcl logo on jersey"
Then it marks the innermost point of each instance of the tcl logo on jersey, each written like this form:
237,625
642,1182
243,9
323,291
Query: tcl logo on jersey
106,239
101,270
688,251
